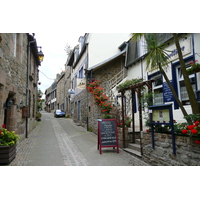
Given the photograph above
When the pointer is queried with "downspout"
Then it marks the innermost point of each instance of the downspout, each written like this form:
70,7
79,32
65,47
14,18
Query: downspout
27,84
87,107
194,58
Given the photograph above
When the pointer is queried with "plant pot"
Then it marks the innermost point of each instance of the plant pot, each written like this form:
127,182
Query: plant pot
7,154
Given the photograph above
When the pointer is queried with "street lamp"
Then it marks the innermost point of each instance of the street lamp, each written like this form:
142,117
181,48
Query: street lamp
8,104
40,55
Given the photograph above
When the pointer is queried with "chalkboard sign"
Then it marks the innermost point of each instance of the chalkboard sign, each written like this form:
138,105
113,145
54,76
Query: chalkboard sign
107,134
167,93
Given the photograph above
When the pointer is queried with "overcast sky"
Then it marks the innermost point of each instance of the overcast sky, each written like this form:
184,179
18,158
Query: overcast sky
53,45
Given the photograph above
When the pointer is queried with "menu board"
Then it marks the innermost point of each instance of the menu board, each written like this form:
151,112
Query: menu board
161,116
167,93
107,133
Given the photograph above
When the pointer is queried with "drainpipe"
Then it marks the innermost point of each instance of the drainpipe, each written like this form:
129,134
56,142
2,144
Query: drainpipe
194,58
27,84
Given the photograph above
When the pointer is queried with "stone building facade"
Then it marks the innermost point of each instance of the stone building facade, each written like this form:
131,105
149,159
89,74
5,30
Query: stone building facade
67,86
60,91
94,58
105,73
17,84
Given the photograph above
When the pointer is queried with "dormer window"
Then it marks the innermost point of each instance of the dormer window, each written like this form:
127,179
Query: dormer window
81,43
76,54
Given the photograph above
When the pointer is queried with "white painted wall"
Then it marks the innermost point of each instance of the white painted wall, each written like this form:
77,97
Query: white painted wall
135,70
104,45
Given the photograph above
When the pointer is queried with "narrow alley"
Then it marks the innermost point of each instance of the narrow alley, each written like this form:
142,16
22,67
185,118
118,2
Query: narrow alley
59,142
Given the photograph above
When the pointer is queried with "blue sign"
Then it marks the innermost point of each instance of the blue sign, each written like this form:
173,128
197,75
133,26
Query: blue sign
167,93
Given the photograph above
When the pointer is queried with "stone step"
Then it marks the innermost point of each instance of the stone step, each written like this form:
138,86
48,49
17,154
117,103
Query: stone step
134,146
133,152
137,141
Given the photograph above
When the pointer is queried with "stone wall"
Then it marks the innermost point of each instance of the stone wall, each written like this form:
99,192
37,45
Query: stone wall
13,76
187,152
13,64
102,74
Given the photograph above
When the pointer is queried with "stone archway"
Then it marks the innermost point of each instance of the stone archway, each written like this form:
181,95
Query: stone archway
10,118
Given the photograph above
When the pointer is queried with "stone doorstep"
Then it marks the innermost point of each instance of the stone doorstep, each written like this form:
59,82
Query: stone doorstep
134,152
133,146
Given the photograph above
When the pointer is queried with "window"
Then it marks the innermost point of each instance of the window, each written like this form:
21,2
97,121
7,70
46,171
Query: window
157,89
183,95
75,81
81,73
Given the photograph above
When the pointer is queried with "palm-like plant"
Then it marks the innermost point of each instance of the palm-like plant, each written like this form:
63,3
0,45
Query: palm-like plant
157,59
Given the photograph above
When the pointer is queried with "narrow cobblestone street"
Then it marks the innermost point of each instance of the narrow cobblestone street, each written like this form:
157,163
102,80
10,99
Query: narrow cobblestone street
59,142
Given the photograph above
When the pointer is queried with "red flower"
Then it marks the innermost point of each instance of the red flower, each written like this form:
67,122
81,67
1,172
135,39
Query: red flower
196,123
191,127
184,131
0,132
194,131
197,142
3,126
147,130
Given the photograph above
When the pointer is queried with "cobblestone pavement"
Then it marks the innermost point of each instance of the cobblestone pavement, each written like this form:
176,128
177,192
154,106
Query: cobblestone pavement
71,154
64,144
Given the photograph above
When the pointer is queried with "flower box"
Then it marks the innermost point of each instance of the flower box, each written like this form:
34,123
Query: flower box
7,154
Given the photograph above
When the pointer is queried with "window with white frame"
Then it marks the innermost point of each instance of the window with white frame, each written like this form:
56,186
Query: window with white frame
80,74
157,89
183,95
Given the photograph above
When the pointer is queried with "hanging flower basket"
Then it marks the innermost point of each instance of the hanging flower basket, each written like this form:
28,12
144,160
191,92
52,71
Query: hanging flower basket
195,67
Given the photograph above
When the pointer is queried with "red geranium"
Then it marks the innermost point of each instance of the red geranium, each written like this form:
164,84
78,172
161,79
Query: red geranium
190,127
184,131
197,142
194,131
196,123
3,126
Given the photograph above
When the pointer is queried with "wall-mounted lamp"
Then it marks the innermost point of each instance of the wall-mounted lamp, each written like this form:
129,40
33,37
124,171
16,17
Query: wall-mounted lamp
40,54
7,105
21,104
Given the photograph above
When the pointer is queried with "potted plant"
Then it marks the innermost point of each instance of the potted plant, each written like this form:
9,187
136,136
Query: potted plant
8,140
38,116
127,121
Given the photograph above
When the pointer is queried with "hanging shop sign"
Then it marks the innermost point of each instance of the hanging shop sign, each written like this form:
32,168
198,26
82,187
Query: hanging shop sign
107,134
71,91
81,83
